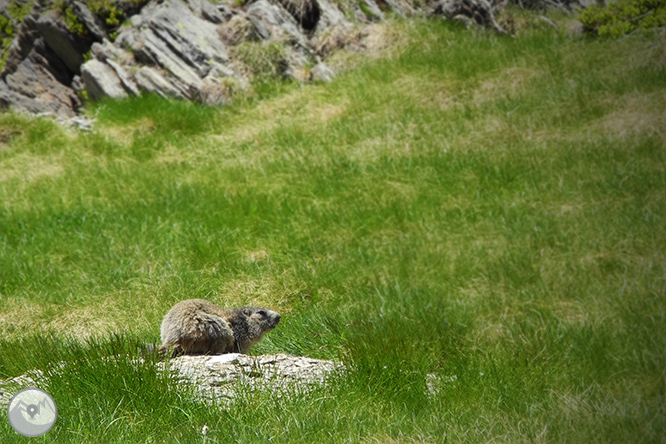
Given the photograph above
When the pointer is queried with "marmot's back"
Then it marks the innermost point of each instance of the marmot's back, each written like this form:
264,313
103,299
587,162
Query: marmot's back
197,326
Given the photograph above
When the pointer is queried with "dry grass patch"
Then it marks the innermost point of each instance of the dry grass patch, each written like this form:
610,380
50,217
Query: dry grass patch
511,81
27,168
635,115
19,318
428,92
99,318
380,40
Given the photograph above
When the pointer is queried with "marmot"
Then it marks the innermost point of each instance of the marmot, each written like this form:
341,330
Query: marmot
197,326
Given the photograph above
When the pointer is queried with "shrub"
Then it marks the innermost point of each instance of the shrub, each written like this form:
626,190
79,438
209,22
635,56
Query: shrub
6,35
625,16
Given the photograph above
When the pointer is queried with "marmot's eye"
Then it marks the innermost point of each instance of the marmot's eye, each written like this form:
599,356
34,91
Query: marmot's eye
262,313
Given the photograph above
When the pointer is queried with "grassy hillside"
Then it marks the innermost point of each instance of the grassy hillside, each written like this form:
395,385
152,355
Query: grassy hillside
486,210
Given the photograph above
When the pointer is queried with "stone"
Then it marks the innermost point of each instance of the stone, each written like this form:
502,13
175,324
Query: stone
218,377
273,22
481,11
101,81
212,13
10,100
153,50
92,23
68,47
330,16
125,80
152,81
401,8
237,30
371,10
305,12
21,45
170,37
81,123
193,40
322,73
39,78
9,387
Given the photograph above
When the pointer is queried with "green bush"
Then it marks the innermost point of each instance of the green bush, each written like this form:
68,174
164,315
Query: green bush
74,24
108,10
19,10
622,17
6,36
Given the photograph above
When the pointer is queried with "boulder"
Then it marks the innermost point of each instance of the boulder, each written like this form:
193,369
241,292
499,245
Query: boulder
153,81
101,81
330,16
92,23
370,10
39,78
170,37
480,11
21,45
67,46
273,22
219,377
305,12
321,73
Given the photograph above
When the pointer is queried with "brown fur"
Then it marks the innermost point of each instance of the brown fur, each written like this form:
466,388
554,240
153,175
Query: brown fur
197,326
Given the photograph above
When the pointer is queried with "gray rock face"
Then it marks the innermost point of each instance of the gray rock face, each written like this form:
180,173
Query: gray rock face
172,51
401,7
322,73
186,49
92,23
305,12
101,81
214,14
273,22
37,85
152,81
480,11
67,46
371,10
21,45
330,16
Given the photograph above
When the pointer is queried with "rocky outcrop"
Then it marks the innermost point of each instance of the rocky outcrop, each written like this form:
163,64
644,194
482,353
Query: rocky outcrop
468,12
186,49
40,84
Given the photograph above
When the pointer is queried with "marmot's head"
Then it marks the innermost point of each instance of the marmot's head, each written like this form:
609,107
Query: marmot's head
260,320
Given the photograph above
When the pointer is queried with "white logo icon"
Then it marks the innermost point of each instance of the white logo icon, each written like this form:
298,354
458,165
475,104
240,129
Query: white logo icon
32,412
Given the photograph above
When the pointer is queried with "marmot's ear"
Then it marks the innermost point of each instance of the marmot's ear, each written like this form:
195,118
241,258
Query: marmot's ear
247,311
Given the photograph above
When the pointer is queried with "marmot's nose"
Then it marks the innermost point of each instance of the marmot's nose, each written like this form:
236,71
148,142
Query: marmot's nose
277,318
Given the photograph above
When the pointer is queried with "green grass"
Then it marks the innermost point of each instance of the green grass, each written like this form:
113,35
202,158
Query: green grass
484,209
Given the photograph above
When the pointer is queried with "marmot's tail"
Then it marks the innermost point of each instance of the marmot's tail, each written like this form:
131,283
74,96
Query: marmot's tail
170,350
160,351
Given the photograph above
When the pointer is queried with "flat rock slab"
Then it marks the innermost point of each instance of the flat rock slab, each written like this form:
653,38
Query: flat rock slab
219,376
